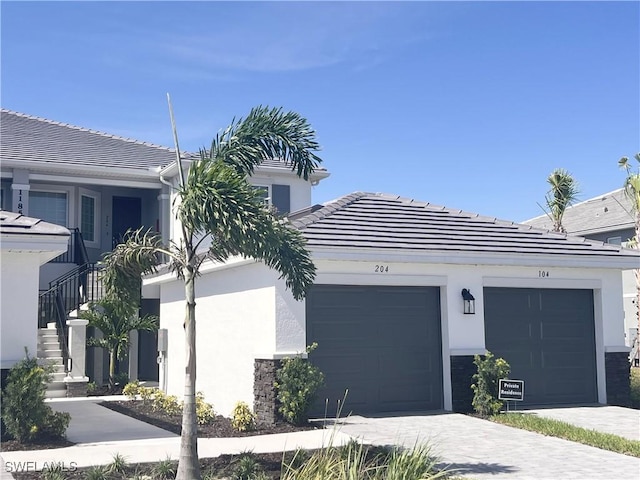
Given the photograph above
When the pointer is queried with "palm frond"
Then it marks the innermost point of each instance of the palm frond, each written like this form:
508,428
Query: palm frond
219,202
140,253
266,133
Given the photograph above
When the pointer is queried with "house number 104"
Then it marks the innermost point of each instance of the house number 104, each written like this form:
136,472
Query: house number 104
543,273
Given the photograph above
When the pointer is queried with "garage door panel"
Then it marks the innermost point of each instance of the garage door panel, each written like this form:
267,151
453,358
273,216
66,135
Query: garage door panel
339,333
386,350
557,361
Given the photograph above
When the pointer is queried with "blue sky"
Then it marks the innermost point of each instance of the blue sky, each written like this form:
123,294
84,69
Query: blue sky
465,104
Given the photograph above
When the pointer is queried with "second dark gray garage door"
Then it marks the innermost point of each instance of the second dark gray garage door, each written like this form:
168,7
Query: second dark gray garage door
383,344
547,336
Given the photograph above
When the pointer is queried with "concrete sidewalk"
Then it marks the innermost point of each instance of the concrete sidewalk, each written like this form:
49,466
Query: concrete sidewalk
99,433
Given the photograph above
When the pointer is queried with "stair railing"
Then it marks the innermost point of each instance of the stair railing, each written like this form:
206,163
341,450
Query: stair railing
76,251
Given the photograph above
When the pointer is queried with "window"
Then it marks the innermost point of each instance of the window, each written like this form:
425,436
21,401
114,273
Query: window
615,240
263,191
277,196
48,206
88,218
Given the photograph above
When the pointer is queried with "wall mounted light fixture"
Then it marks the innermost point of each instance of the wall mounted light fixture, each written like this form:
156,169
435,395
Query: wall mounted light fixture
469,302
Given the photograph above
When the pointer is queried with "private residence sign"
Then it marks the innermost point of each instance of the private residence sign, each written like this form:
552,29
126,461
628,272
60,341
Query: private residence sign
511,389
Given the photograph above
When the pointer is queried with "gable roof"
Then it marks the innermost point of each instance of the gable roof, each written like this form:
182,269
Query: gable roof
25,137
374,222
609,212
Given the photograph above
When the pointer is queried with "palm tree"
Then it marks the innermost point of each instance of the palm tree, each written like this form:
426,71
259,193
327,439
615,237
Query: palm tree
632,191
563,192
214,201
116,318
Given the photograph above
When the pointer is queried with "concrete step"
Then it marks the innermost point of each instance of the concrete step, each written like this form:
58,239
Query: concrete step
51,353
58,376
56,393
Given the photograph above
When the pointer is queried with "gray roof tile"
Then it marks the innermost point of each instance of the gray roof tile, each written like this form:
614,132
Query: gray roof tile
24,137
18,224
608,212
383,221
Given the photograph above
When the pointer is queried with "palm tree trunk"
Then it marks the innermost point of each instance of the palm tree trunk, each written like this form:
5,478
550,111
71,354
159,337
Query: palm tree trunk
189,464
112,369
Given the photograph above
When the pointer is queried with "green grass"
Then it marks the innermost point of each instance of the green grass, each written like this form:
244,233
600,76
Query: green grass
555,428
635,387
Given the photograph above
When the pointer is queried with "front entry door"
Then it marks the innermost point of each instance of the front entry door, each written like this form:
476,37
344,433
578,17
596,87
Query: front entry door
127,214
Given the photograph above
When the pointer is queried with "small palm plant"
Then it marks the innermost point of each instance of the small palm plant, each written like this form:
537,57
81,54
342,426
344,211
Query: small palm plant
116,318
563,192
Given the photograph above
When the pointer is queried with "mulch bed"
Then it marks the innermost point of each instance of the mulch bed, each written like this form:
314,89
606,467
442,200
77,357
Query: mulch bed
221,467
9,445
220,427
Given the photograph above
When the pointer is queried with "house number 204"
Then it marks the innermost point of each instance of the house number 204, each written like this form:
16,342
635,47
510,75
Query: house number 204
543,273
382,269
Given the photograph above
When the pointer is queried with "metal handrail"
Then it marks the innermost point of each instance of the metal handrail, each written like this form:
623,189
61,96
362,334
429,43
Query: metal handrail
63,331
76,251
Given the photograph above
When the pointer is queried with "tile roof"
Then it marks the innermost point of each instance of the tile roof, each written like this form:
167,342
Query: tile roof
382,221
25,137
18,224
608,212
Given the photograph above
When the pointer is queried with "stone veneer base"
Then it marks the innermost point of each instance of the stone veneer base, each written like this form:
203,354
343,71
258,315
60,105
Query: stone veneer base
462,370
265,404
618,376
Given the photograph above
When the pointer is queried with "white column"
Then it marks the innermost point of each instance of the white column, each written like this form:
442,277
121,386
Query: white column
77,350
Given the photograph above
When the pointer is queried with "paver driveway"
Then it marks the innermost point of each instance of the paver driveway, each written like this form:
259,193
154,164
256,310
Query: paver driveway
479,449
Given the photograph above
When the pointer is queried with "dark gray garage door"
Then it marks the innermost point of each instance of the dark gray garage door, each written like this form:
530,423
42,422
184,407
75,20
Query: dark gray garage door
547,336
383,344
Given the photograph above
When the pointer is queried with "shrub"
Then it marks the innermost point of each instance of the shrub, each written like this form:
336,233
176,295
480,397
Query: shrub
91,387
131,389
204,411
147,393
247,468
169,404
297,383
24,412
165,469
485,390
118,464
243,419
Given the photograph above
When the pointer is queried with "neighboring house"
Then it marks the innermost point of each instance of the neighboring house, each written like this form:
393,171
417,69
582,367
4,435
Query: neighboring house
25,244
607,218
98,186
388,313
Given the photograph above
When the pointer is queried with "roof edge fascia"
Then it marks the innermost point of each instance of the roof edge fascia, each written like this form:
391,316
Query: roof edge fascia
144,173
171,171
627,262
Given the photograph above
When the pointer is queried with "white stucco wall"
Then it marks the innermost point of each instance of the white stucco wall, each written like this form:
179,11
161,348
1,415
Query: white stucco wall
245,312
18,305
235,311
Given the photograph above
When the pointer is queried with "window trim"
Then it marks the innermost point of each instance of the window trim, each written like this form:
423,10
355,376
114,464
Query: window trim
43,188
267,199
83,192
